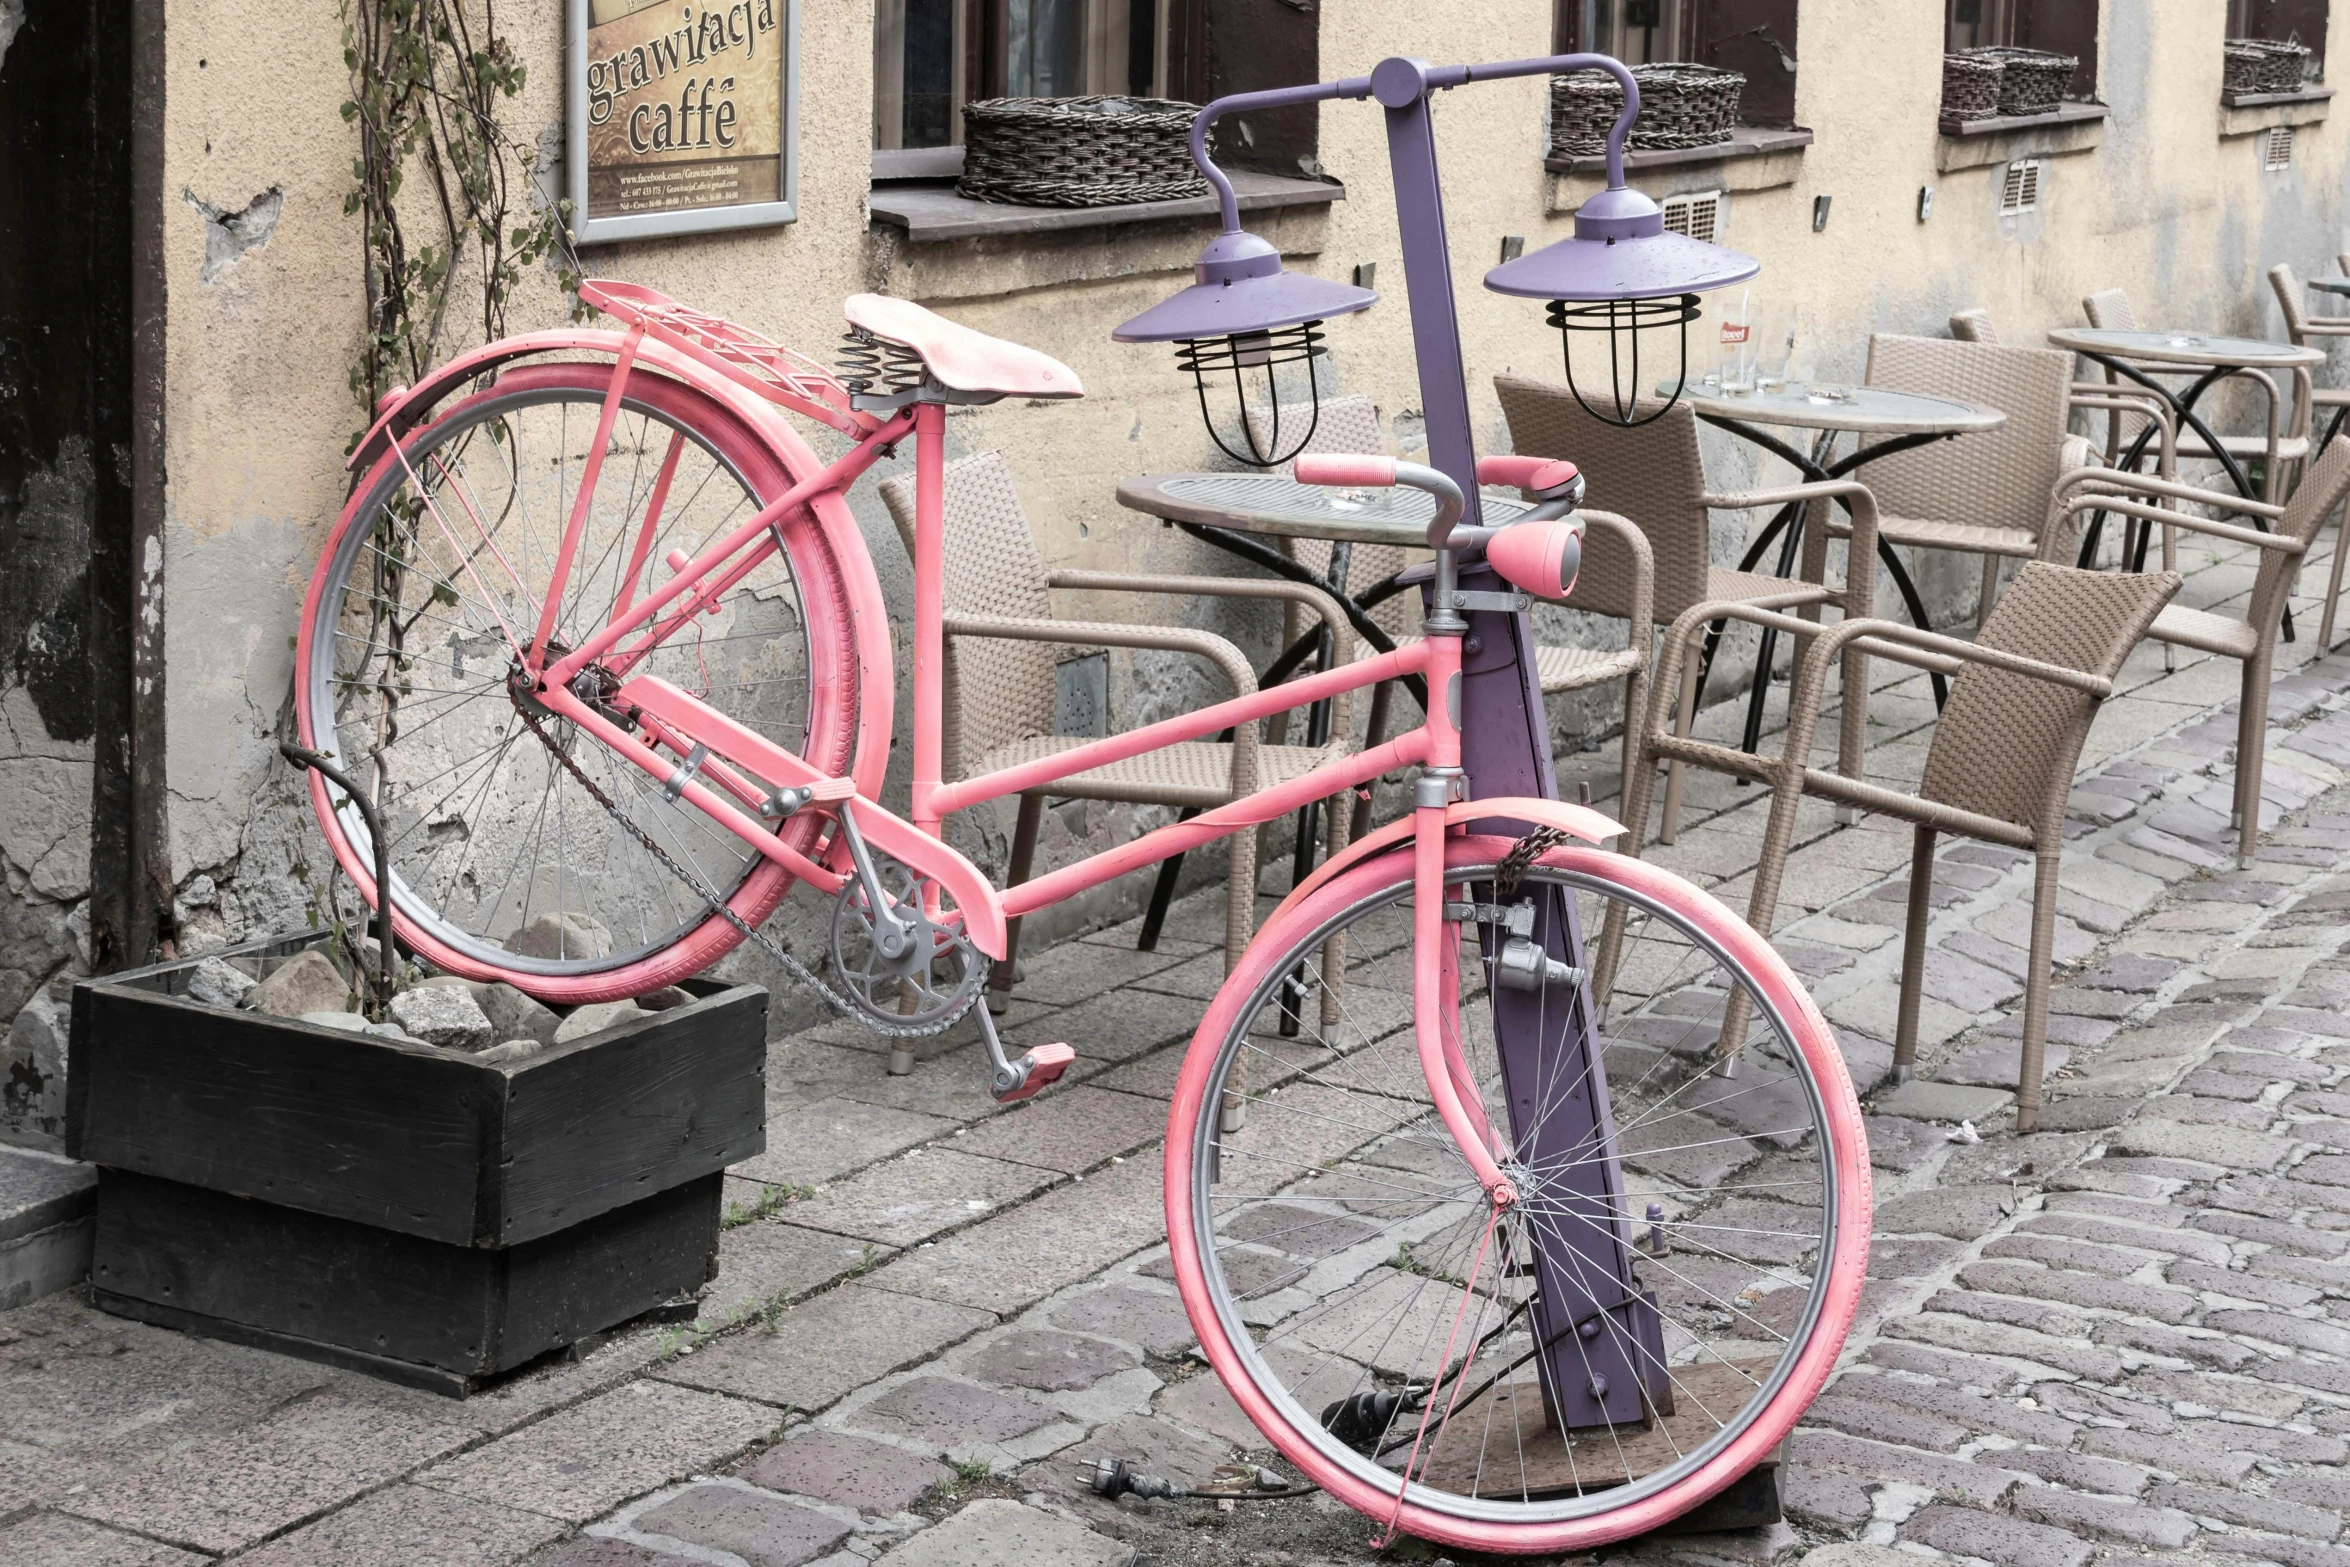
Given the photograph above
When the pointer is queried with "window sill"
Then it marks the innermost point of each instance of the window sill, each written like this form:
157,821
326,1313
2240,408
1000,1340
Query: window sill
929,214
1754,158
1974,144
2248,114
928,243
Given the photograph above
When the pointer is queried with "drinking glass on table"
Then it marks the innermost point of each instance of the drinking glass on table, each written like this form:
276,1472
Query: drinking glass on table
1774,354
1737,331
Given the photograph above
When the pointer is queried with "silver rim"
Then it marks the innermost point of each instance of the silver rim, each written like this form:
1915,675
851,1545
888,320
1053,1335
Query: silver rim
489,832
1394,1182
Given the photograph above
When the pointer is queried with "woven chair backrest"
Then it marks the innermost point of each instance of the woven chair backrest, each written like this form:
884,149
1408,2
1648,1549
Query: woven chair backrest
2288,291
1973,326
2110,310
2006,744
1346,425
996,691
2320,492
2001,478
1651,474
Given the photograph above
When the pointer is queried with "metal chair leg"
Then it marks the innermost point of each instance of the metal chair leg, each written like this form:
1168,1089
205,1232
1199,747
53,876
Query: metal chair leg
2034,1060
1913,952
1001,978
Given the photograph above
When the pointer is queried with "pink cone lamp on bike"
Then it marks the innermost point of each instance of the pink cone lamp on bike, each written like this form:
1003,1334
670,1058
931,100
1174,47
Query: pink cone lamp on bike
1495,1258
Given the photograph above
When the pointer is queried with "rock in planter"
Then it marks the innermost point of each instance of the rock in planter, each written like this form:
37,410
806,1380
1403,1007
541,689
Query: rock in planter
349,1022
306,982
595,1017
561,936
218,984
511,1050
517,1016
440,1015
663,999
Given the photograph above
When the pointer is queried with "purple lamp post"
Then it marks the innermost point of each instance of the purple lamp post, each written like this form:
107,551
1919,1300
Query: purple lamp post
1602,1352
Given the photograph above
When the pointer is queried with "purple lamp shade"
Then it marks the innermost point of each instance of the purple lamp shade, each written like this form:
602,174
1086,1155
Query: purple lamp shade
1620,250
1242,290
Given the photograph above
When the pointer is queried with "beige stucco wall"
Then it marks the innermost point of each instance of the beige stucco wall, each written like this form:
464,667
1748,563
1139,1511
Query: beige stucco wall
258,410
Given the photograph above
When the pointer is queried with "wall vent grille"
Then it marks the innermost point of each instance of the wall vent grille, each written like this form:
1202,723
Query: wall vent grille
2276,148
2019,189
1698,215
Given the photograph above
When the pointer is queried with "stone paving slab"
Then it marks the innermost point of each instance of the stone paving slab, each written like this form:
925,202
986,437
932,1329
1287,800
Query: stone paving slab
56,1540
410,1526
231,1490
591,1457
813,1354
1013,1261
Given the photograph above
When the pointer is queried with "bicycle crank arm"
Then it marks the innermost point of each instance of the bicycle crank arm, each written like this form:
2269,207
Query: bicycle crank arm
1027,1077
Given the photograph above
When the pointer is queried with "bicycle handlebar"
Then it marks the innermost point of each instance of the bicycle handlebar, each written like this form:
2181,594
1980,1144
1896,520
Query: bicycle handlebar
1380,473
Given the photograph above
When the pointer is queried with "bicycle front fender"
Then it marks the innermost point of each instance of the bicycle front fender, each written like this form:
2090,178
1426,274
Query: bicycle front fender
1579,821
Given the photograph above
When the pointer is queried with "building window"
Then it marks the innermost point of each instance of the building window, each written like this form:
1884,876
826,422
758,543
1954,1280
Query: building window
932,56
1754,37
2058,26
2286,21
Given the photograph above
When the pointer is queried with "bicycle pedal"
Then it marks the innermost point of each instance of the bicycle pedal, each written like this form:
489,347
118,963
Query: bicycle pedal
1034,1072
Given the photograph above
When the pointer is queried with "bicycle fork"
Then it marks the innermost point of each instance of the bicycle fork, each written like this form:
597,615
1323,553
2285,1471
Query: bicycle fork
1602,1359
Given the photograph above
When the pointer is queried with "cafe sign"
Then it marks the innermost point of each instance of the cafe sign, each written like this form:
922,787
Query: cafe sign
682,116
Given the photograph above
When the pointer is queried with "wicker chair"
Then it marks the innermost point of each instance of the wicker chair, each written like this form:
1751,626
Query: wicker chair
1973,325
2281,449
1654,475
1002,642
1999,767
2252,640
2303,328
1988,494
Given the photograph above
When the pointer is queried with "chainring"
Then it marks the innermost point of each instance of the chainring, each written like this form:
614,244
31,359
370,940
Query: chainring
932,976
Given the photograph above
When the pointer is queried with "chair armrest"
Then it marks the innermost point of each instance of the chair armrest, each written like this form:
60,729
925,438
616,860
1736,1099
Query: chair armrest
1111,633
1860,578
1313,598
2114,481
1643,625
1891,639
2206,525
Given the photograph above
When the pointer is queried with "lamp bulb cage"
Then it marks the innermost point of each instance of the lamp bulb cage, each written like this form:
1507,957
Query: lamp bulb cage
1622,321
1245,357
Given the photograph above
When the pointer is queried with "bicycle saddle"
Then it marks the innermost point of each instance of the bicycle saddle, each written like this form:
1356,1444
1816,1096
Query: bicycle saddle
959,358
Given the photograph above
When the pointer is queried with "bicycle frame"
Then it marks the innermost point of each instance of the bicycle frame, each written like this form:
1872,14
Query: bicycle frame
1476,660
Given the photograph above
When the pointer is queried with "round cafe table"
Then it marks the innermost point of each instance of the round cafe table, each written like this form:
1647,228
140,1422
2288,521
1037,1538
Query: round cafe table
2141,356
1898,421
1239,513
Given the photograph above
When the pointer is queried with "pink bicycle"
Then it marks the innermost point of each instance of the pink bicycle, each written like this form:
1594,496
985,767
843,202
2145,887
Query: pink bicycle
1508,1240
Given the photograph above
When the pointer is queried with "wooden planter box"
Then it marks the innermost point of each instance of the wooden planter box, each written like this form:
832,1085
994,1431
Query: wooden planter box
395,1207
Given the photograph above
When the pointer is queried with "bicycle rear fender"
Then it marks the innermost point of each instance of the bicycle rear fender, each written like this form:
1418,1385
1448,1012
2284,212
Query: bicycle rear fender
877,675
1579,821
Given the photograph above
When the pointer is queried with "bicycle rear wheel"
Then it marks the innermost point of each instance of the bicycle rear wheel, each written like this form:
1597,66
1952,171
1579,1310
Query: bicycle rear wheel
505,864
1355,1290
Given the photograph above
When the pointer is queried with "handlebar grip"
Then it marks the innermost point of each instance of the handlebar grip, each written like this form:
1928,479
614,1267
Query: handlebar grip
1346,468
1539,474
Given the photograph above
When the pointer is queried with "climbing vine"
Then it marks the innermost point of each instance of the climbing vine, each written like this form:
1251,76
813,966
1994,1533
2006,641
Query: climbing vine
427,77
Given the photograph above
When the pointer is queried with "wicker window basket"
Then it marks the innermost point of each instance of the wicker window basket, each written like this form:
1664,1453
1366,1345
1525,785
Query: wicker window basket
1970,88
2031,81
2262,65
1680,106
1079,152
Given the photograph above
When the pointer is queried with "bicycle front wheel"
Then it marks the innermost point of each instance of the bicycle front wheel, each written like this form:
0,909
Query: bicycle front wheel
1693,1229
505,862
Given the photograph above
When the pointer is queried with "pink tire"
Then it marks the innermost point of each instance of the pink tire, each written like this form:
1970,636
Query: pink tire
1365,1306
786,637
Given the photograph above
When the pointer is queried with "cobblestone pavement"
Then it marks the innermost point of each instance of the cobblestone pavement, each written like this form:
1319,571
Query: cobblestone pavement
2125,1338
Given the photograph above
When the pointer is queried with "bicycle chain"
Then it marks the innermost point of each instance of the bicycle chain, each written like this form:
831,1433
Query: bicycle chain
1522,854
767,944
